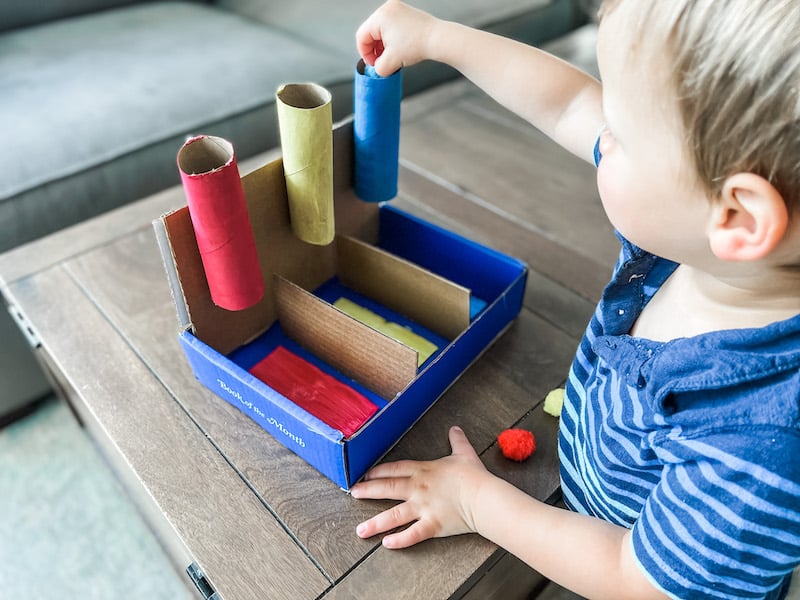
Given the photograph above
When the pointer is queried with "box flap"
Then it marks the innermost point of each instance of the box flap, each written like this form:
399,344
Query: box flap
184,321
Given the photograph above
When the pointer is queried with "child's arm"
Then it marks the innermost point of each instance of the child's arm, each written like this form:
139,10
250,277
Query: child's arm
560,100
456,494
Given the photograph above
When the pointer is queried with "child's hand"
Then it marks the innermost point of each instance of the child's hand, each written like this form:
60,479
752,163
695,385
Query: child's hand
437,495
394,36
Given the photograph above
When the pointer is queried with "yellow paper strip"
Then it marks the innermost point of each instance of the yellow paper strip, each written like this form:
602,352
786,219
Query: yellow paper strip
398,332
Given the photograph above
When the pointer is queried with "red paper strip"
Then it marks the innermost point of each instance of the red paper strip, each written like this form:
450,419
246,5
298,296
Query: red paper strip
325,397
221,223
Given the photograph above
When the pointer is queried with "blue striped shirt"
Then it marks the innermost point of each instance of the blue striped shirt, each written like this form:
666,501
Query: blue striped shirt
693,443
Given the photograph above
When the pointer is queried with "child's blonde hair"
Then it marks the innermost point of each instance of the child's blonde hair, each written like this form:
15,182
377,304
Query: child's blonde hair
736,74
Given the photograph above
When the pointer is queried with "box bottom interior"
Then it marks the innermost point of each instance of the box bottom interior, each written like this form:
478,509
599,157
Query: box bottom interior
250,354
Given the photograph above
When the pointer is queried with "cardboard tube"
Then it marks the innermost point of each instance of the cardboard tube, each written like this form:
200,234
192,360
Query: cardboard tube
305,123
221,223
376,133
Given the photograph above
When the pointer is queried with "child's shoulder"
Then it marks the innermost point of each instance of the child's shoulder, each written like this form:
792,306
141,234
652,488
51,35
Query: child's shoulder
737,382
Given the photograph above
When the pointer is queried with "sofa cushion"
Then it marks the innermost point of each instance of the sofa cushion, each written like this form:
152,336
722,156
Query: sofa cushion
530,21
101,125
343,18
15,14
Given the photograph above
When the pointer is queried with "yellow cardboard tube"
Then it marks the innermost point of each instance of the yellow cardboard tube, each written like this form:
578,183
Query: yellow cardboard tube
305,124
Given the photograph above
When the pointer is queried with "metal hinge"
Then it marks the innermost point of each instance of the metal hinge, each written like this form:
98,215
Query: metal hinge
199,578
24,326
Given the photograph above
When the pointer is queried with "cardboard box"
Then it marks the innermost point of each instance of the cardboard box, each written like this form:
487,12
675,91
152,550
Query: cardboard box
456,293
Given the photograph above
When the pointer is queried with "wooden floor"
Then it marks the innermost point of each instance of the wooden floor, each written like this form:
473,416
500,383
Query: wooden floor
509,182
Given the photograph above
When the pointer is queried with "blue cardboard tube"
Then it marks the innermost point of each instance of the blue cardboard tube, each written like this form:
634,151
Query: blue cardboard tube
376,130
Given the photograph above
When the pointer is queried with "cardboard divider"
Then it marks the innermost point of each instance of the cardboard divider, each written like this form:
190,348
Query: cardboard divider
376,361
424,297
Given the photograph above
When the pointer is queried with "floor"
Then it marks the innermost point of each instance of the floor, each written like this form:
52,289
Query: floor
67,529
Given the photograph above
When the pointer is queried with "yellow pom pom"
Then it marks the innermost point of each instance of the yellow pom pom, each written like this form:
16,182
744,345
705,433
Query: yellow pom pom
554,401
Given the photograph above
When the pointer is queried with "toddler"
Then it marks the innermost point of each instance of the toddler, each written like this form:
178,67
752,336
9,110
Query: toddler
680,433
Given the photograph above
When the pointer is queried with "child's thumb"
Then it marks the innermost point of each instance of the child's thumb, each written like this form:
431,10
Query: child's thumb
386,64
459,442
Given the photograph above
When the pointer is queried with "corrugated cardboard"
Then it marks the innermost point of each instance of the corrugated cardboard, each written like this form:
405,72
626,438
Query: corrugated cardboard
424,297
371,358
453,290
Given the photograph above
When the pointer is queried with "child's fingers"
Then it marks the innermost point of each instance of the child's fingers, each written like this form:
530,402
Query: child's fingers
460,444
418,532
395,517
391,488
368,41
398,468
387,63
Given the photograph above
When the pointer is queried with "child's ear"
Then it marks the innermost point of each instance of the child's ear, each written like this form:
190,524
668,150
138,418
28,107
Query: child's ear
748,219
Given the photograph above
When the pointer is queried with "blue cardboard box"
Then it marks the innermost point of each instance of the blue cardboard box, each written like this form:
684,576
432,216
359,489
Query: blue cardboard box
452,291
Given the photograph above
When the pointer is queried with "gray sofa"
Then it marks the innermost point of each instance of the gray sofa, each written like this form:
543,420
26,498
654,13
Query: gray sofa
96,96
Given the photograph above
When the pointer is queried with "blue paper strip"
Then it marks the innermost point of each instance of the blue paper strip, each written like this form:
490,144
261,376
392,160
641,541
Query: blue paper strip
376,130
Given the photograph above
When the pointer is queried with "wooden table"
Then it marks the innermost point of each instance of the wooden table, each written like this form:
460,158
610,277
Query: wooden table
254,520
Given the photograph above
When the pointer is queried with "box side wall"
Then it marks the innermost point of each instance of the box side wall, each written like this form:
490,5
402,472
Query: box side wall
484,271
311,439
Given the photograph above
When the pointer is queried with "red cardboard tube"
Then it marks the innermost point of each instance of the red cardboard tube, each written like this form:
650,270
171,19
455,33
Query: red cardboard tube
221,223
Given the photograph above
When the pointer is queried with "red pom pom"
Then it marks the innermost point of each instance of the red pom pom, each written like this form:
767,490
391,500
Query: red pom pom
516,444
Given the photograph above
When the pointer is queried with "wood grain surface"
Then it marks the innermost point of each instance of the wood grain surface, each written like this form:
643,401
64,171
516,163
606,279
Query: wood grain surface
212,511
